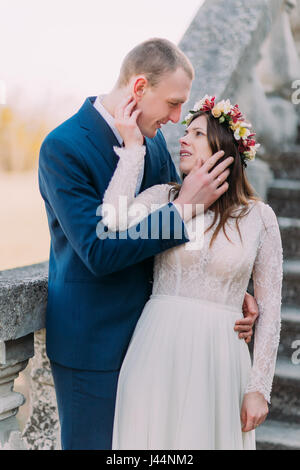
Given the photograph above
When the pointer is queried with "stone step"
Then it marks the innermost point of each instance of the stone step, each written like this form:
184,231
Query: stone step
287,163
284,197
291,283
290,332
285,396
278,435
290,235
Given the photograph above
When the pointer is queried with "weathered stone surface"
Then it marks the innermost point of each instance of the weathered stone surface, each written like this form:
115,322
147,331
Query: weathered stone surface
10,402
290,333
42,431
16,350
278,435
280,65
286,164
14,442
291,283
295,24
284,197
290,236
285,404
260,177
23,298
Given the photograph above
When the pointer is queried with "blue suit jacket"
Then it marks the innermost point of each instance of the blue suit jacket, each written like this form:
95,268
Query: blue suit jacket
97,286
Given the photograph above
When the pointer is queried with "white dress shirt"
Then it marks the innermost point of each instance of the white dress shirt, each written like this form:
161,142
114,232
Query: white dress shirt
111,122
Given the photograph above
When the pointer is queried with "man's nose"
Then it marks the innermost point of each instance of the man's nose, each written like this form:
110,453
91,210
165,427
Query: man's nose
175,115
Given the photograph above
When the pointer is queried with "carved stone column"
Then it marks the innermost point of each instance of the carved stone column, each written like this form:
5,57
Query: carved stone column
23,297
14,355
42,431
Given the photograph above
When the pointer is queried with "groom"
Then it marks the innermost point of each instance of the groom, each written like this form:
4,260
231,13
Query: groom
97,286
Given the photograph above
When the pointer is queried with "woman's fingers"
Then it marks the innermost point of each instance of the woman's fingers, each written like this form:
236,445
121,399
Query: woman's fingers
129,108
254,411
136,114
249,426
252,422
120,109
243,417
248,422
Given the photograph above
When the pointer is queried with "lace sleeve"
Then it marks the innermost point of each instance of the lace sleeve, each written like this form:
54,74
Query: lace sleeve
267,281
120,208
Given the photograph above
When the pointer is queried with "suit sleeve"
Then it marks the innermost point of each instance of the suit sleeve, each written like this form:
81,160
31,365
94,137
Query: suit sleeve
174,174
66,186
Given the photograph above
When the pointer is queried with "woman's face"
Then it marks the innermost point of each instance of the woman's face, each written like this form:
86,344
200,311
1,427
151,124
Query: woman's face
194,145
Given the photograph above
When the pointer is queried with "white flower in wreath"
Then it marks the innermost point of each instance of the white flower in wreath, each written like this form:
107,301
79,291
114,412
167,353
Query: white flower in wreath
241,132
201,102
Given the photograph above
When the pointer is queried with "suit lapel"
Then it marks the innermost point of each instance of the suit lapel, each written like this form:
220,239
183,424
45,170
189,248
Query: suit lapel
99,132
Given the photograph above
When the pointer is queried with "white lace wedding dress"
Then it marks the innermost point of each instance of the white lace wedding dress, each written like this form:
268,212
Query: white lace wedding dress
185,373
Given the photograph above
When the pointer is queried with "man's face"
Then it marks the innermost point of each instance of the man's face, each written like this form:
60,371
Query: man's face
163,103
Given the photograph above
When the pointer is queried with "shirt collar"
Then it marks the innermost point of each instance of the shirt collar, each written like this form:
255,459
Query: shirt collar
108,117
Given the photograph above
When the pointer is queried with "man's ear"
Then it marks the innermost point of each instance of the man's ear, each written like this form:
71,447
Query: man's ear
139,87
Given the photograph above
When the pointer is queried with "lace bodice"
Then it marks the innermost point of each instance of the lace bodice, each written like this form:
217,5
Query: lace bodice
220,273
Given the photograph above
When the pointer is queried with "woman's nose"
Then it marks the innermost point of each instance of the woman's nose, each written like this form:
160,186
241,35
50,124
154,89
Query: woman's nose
183,140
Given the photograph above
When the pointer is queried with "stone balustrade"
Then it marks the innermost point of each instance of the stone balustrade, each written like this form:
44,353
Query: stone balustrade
23,299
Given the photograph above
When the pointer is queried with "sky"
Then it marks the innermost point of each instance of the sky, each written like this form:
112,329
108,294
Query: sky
52,50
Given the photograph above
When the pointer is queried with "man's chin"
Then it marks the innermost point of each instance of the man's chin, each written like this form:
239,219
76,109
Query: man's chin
150,134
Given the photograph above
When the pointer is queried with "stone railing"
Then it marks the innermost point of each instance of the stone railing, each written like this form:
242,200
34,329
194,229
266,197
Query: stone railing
23,299
231,44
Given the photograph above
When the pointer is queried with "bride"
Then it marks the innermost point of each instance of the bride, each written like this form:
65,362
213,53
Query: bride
187,381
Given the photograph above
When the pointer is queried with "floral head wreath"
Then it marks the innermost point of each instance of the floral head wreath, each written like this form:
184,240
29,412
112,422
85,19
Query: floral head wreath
231,115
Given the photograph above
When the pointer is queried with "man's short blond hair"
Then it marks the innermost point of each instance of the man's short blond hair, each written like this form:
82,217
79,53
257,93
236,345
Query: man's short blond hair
154,58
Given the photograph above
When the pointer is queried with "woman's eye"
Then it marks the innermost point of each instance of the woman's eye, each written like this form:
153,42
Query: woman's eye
199,133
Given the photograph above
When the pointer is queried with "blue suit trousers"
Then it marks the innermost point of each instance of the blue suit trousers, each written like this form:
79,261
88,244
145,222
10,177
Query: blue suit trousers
86,405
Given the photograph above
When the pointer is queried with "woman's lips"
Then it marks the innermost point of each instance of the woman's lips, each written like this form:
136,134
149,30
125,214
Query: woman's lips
185,154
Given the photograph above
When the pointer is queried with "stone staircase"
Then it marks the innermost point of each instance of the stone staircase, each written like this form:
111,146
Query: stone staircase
281,430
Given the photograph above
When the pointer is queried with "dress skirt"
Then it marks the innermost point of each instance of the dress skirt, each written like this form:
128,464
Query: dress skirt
183,378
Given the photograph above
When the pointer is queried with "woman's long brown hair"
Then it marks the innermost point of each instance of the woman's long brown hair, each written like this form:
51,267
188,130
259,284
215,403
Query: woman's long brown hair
240,191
